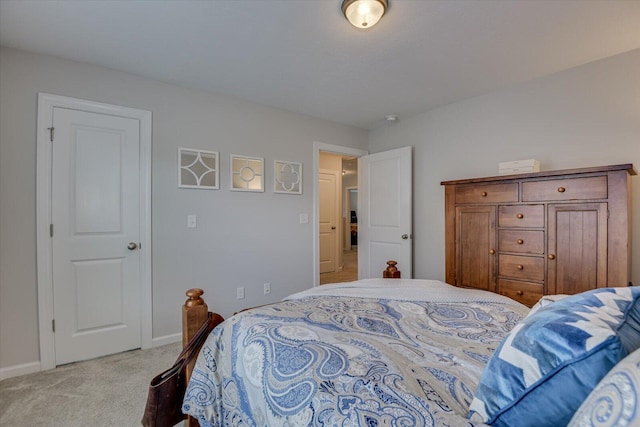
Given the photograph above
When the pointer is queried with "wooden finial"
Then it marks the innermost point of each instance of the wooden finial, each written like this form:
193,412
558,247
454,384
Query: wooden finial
194,297
392,271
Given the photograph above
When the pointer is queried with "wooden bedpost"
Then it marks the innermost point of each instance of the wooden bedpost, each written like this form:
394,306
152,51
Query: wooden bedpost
194,314
392,271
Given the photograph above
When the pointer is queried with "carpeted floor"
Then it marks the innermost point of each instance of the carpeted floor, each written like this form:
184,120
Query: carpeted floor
349,272
110,391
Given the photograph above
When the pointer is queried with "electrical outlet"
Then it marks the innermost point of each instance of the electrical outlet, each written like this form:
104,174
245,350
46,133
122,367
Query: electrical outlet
267,288
304,218
240,293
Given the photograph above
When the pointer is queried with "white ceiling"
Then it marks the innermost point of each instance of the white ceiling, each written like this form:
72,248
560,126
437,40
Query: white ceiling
303,56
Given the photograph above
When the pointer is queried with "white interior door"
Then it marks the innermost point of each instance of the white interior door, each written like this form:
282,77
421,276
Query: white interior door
385,212
96,233
329,197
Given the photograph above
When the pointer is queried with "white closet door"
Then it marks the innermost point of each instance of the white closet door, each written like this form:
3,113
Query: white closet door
96,233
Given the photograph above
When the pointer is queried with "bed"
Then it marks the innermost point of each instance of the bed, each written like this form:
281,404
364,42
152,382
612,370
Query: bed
398,352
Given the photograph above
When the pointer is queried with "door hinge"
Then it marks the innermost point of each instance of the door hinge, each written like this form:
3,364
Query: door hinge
53,325
51,131
51,230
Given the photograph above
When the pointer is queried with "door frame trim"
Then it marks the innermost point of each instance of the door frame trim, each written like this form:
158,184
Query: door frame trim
328,148
44,250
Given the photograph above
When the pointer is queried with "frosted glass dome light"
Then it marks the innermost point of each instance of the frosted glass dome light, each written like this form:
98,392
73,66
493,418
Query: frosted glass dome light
364,13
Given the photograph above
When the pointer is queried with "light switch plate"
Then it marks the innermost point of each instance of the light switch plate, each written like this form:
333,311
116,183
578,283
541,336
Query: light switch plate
191,221
304,218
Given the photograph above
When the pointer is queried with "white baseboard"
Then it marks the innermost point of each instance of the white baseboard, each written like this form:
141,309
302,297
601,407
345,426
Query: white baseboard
167,339
30,368
17,370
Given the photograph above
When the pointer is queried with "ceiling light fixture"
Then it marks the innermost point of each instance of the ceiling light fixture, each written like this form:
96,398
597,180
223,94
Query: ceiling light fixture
364,13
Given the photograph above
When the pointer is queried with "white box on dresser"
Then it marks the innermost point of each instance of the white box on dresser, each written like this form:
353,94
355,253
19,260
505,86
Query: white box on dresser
518,166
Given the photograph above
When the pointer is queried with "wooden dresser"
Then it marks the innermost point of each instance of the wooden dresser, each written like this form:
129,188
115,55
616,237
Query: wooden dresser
524,236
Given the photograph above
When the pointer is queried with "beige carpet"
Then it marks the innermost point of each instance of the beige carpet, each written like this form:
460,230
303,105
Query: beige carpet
109,391
349,272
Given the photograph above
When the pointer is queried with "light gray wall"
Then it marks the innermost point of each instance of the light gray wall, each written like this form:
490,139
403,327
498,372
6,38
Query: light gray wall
586,116
242,239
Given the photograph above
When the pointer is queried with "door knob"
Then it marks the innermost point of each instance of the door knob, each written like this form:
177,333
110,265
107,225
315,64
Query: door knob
333,228
132,246
405,236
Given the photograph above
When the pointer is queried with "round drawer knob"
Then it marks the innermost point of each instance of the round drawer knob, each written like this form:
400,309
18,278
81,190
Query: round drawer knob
520,293
519,216
551,256
483,194
561,189
520,241
520,267
492,251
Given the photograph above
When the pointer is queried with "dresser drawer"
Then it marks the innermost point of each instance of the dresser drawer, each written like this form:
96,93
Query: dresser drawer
526,216
487,193
521,241
521,267
524,292
565,189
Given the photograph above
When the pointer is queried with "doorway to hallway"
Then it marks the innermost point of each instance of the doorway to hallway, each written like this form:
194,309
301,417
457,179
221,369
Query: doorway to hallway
338,227
343,161
349,271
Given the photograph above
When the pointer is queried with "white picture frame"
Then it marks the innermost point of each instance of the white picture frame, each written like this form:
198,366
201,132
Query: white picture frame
287,177
198,169
246,173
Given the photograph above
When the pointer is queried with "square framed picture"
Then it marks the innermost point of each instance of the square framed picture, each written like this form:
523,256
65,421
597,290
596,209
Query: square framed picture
287,177
247,173
198,169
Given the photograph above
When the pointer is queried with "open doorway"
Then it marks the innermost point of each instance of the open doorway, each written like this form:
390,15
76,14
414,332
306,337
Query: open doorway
338,207
336,234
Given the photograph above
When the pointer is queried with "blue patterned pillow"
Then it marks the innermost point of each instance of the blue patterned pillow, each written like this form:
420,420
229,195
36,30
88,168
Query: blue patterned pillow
548,364
614,402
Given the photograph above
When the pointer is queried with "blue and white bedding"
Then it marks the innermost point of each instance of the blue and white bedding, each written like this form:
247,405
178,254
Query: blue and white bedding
375,352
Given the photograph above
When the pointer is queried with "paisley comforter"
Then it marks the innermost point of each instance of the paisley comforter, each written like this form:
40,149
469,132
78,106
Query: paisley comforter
368,353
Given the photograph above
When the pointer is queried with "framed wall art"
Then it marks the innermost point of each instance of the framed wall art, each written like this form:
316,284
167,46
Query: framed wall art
198,169
287,177
247,173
